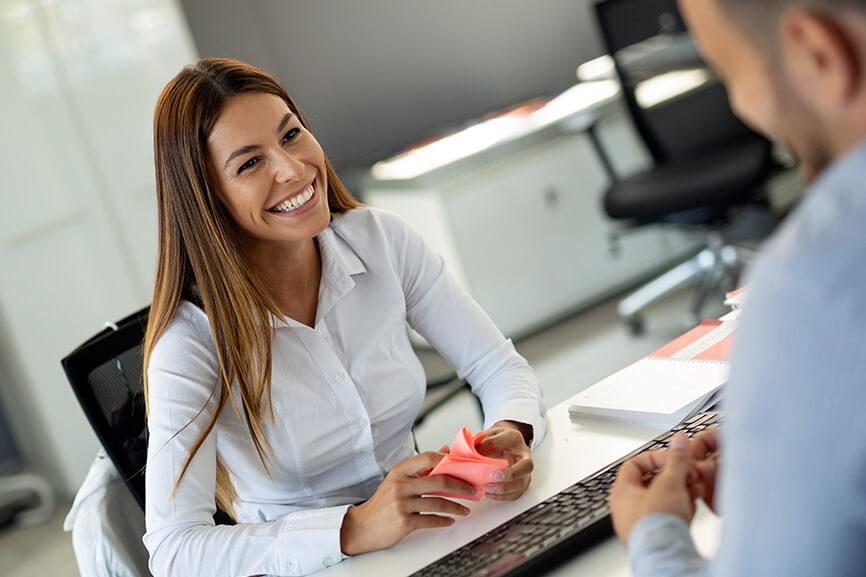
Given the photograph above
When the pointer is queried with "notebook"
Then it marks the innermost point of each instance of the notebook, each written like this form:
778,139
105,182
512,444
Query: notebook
675,382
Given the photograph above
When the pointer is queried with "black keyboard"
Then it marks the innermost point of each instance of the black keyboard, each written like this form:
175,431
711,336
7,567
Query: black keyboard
554,530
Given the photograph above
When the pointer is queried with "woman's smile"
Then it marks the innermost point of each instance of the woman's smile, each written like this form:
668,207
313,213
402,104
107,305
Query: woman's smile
297,203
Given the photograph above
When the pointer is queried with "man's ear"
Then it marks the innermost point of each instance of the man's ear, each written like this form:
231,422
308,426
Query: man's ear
820,58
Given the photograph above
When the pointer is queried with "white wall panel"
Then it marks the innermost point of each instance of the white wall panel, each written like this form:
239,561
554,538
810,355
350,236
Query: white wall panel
77,225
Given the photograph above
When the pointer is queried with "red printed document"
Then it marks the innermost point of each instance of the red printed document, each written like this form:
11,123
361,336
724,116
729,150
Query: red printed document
709,341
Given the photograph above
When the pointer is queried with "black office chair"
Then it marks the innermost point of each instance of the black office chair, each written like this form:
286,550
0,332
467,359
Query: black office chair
106,375
706,162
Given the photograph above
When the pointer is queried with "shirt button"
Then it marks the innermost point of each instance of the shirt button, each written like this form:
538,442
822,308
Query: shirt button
360,424
340,376
321,329
328,561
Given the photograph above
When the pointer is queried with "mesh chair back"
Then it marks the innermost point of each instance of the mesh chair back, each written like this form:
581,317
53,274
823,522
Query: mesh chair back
655,58
106,375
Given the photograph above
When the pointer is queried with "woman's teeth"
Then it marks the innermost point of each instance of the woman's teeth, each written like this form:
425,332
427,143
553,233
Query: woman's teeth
296,201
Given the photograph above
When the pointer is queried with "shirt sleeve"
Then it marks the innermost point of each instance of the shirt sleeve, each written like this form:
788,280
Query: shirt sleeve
465,335
181,536
660,545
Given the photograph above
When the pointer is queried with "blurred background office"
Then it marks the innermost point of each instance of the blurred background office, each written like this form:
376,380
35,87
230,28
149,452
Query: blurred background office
544,174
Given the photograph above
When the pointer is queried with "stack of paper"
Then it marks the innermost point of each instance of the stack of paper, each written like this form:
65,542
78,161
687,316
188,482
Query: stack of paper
667,387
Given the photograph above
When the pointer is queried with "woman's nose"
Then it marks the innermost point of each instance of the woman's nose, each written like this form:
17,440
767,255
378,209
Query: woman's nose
288,168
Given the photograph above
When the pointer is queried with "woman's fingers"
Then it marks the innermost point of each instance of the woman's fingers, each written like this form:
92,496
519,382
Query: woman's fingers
515,479
421,521
436,505
501,440
506,496
419,463
521,468
517,487
437,484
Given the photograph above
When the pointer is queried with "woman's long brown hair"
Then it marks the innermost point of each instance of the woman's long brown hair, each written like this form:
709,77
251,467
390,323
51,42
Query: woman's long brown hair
198,245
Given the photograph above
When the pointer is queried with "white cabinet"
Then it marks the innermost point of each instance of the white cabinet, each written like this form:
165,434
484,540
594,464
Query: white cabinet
525,233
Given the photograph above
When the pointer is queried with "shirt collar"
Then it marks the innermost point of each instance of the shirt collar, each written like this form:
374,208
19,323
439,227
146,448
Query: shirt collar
340,263
846,173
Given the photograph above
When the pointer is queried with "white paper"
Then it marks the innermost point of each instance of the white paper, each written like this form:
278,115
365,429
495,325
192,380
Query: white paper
651,385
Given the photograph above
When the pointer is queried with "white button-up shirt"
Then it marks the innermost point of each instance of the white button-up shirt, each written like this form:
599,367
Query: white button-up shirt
345,394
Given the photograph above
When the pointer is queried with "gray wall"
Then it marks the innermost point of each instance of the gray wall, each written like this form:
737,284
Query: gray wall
376,75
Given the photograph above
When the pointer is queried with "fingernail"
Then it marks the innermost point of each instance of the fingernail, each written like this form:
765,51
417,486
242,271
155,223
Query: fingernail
498,476
680,443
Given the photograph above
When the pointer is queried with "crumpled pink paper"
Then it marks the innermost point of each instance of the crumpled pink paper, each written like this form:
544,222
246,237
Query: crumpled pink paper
464,462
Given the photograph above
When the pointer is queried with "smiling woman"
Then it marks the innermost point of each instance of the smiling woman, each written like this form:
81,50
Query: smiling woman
278,294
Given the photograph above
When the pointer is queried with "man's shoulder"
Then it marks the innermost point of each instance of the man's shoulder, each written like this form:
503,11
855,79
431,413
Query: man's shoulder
806,306
817,260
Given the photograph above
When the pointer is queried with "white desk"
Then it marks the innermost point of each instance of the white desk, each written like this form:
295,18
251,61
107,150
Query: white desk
569,453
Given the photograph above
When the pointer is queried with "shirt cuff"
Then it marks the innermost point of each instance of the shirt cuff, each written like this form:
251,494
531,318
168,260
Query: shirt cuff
309,541
525,413
660,544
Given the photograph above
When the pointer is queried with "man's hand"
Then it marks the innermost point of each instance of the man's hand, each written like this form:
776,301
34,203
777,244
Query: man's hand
705,452
398,506
655,482
507,440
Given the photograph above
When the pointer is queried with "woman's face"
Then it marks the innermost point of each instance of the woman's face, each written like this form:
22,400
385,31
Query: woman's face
270,170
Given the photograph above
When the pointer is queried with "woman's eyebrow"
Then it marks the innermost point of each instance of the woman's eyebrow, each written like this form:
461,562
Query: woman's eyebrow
252,147
240,151
284,122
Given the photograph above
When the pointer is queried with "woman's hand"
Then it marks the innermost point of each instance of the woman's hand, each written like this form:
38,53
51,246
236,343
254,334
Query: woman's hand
507,440
398,508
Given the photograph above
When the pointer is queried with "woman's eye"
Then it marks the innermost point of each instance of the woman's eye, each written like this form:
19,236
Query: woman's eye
248,164
291,134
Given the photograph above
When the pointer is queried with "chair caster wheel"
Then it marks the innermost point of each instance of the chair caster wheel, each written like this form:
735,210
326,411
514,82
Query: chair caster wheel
636,326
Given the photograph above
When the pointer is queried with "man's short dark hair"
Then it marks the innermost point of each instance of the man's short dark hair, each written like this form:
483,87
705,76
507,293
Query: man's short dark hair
760,16
750,7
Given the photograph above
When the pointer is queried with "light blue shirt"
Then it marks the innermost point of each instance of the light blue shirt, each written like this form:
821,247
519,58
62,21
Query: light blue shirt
793,487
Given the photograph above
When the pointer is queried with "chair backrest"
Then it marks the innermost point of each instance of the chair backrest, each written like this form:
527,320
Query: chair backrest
106,374
654,58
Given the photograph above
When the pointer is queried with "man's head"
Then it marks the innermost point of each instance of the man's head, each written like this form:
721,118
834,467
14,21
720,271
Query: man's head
795,69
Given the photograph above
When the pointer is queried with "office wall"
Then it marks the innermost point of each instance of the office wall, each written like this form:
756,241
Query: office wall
77,230
376,75
78,225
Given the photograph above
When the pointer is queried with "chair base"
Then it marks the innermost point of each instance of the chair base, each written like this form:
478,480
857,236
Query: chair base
717,264
26,499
